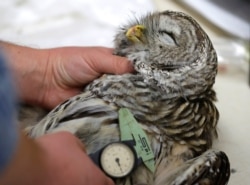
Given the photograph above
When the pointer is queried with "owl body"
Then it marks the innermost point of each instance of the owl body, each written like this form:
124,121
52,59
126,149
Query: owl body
170,95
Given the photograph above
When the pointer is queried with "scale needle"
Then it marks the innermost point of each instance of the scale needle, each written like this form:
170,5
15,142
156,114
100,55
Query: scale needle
117,160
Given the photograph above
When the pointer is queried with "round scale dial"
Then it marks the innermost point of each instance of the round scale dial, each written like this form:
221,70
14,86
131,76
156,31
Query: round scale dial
117,160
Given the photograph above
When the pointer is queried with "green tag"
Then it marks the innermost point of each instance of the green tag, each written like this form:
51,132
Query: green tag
131,130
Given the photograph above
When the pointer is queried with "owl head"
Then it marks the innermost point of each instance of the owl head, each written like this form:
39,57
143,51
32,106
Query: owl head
170,50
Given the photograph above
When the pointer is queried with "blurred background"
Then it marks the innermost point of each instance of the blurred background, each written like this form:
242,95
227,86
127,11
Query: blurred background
52,23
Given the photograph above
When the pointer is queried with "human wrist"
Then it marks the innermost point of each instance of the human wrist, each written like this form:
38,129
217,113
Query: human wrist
29,68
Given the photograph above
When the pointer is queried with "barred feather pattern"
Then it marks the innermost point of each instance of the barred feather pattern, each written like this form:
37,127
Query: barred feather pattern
170,95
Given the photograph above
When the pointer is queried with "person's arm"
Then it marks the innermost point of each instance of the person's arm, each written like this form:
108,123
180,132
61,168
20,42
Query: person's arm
47,77
52,159
28,66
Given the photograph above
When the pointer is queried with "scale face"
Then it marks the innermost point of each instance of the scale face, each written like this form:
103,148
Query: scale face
117,159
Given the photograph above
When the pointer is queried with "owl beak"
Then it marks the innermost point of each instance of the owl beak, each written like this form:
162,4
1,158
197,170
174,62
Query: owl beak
136,33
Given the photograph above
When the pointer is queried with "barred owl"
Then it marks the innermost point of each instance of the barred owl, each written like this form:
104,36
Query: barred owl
171,96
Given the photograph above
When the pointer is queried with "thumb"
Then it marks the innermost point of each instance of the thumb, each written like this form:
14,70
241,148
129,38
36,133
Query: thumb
115,65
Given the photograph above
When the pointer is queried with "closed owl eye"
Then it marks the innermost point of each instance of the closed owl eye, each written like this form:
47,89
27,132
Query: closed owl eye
168,37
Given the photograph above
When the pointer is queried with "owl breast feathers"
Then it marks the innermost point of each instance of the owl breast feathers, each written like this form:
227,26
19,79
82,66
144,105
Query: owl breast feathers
170,95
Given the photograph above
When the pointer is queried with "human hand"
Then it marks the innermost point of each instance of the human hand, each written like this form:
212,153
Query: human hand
70,68
67,163
47,77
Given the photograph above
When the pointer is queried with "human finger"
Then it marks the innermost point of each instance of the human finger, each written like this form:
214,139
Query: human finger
114,65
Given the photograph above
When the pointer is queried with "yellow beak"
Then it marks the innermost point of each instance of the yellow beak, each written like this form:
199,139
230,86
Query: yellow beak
136,33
